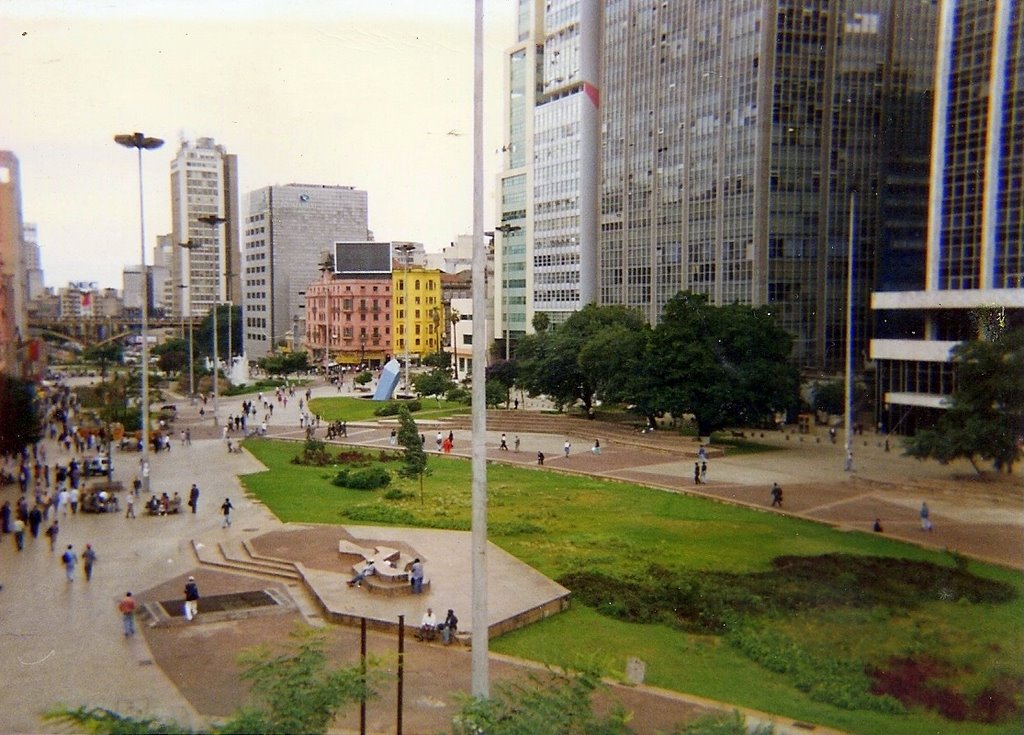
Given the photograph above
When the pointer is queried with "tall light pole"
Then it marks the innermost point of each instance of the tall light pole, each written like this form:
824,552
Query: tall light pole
140,142
406,248
213,220
848,383
480,686
505,229
191,359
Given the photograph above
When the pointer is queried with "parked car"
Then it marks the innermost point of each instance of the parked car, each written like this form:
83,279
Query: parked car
98,465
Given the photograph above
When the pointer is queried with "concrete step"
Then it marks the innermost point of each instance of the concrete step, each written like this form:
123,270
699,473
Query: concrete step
213,555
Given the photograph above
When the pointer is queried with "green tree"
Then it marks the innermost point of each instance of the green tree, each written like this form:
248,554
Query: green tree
435,383
285,363
363,378
985,414
726,365
204,332
555,704
414,463
293,692
829,397
621,366
439,359
22,421
548,362
110,353
503,372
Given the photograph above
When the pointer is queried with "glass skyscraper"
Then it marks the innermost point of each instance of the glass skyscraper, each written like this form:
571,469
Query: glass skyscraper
733,134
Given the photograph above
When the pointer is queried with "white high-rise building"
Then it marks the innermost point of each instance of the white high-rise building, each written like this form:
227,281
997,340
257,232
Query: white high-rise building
204,182
33,261
288,231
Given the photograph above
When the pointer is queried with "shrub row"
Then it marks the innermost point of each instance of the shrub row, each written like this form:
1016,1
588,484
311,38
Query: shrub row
391,408
362,478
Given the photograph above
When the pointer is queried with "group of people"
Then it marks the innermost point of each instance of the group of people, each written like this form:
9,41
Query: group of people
429,628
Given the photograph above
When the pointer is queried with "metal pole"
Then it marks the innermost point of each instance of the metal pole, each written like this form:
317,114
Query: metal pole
144,400
480,679
848,391
401,673
191,366
362,675
216,364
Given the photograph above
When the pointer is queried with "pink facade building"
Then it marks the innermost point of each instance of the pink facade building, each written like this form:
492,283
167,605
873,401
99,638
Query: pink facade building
348,319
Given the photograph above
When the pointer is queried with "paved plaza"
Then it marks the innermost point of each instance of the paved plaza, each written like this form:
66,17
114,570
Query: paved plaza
63,642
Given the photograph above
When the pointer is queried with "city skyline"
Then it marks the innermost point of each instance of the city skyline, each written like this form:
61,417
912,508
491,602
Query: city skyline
372,95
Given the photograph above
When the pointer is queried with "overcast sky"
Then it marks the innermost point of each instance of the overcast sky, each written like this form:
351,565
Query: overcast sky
376,94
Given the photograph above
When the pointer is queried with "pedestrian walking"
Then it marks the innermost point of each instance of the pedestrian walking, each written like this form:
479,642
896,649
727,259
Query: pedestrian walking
127,609
225,508
88,559
70,559
596,449
51,533
540,458
191,599
129,505
193,498
515,443
703,473
73,498
926,521
504,443
696,473
566,448
776,493
19,534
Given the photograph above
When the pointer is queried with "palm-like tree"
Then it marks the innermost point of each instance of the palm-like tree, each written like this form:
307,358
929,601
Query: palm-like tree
454,317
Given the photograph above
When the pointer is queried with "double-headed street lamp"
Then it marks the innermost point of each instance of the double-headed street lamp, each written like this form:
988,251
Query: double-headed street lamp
406,248
213,220
141,142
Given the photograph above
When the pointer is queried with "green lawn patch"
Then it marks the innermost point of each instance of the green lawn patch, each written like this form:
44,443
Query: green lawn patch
852,630
347,408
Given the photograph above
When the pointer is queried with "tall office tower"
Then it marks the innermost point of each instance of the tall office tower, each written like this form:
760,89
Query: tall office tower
546,242
733,135
973,283
288,229
13,312
204,182
34,285
163,255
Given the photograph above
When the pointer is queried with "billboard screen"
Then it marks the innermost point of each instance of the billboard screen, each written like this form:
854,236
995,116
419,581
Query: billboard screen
362,257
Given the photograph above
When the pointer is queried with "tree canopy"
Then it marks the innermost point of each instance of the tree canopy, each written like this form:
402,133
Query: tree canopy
414,461
985,414
22,422
548,362
435,383
285,363
726,365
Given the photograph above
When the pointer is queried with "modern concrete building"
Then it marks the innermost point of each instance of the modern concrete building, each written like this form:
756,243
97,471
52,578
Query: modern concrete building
288,231
204,182
34,284
546,243
973,273
164,286
733,135
13,311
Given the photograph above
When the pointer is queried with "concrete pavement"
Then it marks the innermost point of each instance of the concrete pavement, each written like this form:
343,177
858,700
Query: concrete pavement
63,641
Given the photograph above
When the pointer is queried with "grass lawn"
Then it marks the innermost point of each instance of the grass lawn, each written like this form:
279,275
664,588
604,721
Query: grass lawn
561,524
346,408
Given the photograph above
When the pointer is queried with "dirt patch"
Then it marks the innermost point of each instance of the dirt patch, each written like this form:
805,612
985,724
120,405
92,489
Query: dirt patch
924,682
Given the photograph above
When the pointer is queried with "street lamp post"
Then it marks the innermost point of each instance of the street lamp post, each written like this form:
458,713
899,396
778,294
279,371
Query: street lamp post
141,142
406,248
191,359
213,220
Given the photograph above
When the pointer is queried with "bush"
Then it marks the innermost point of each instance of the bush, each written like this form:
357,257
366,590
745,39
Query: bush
459,395
314,454
391,408
382,514
362,478
398,494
